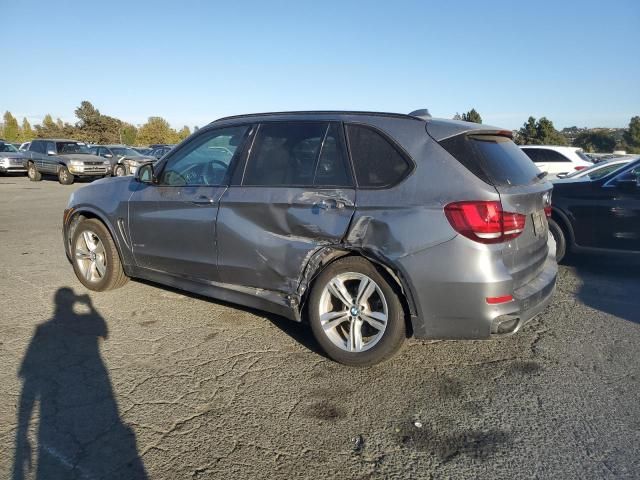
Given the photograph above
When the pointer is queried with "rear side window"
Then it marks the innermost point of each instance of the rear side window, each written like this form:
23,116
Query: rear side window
377,162
303,154
494,159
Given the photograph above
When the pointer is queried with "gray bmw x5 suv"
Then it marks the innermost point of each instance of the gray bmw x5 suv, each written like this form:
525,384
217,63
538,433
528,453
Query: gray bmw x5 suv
371,227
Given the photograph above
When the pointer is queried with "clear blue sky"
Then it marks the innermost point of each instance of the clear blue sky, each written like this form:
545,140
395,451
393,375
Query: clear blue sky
577,63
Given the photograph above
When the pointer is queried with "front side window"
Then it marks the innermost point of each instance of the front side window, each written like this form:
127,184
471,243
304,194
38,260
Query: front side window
205,160
377,162
37,146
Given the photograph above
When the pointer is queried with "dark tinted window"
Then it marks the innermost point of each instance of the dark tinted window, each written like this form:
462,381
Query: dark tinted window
553,156
376,161
333,167
205,160
285,154
535,154
494,159
37,146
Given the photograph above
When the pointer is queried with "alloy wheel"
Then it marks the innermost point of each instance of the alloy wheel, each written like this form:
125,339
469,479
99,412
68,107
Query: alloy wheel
90,256
353,312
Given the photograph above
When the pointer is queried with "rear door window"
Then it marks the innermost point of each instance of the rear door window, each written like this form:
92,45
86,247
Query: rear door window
553,156
377,162
297,154
494,159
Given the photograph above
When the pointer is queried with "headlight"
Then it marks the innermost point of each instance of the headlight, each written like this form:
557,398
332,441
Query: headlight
76,163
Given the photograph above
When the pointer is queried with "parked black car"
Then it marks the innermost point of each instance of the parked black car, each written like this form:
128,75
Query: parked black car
601,215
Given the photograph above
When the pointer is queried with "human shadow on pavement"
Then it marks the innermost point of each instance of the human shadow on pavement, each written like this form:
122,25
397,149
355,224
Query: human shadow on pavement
79,431
610,284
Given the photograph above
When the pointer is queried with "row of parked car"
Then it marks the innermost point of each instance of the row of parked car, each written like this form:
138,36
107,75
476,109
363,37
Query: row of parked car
71,159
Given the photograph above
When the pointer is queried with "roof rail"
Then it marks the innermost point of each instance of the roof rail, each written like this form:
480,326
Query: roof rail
317,112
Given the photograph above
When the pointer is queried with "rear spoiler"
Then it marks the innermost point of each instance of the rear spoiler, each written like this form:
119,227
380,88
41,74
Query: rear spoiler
440,129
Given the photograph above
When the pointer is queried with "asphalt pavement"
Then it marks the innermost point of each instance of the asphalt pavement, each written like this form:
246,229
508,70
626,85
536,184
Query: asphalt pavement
150,382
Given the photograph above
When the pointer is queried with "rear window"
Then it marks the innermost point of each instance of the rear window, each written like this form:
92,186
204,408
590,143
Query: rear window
494,159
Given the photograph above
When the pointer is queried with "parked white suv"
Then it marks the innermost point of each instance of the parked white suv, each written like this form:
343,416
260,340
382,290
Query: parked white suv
556,160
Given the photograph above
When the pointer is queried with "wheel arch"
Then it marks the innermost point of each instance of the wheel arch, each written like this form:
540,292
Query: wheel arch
90,213
326,256
564,223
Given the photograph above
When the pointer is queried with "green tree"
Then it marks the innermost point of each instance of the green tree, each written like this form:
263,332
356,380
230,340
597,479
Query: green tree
128,134
541,132
597,142
632,135
472,116
95,127
11,131
48,128
156,130
183,133
457,116
27,131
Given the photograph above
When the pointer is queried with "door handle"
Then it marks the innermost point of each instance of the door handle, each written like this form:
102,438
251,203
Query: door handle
328,204
202,200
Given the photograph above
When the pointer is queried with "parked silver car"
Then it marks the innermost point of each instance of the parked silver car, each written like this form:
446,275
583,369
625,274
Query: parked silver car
11,160
369,226
124,160
67,159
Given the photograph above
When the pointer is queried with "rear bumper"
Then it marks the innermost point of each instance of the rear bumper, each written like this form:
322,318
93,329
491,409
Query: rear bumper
450,284
12,169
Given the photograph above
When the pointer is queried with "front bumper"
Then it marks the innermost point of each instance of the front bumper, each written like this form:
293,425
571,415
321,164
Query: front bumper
89,170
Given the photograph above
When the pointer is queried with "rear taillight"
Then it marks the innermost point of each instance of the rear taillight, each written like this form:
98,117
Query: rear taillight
547,211
484,222
580,167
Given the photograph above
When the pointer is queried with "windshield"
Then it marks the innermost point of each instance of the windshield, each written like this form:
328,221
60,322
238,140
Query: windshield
72,147
584,156
125,152
598,171
7,147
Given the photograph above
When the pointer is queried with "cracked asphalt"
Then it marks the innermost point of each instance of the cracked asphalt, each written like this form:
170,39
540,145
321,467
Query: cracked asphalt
149,382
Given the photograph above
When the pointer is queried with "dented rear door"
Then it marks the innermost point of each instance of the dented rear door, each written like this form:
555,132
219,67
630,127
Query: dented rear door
271,223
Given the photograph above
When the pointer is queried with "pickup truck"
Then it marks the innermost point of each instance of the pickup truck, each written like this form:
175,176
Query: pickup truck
67,159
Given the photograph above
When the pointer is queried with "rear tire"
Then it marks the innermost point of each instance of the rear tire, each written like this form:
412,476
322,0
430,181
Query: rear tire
95,258
561,240
33,173
361,321
64,177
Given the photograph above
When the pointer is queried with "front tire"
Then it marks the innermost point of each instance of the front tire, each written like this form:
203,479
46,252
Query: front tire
64,177
355,314
560,238
119,171
33,173
95,258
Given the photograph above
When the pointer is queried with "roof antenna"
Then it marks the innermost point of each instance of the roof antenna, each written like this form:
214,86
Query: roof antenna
422,113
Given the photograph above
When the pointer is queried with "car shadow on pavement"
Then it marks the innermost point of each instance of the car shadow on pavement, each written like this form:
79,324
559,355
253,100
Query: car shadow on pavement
298,331
610,284
79,431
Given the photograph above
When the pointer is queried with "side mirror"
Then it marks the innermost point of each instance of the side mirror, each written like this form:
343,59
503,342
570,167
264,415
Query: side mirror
144,173
51,152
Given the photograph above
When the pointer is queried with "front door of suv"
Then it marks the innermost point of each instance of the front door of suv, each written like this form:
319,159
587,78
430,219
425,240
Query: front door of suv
294,194
172,222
